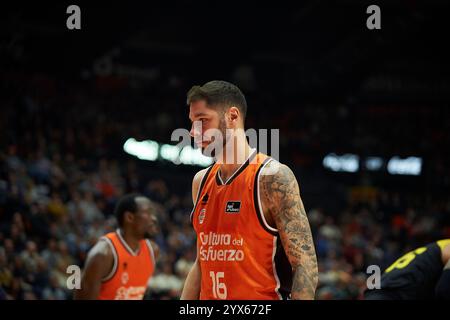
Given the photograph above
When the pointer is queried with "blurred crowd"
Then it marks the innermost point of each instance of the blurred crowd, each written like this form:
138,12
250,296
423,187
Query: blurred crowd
54,210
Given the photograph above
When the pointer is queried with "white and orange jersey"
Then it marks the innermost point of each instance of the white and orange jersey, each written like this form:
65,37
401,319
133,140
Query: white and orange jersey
240,255
131,270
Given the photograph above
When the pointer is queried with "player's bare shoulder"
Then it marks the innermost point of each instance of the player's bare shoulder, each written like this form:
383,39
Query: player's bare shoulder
196,183
100,253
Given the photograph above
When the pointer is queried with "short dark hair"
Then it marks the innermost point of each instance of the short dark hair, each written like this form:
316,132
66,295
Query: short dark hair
218,93
126,203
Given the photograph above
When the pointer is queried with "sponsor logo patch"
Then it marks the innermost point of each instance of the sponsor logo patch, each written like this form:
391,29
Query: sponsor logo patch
233,207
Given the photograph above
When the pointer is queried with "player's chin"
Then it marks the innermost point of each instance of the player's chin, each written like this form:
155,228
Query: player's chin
212,149
202,144
147,235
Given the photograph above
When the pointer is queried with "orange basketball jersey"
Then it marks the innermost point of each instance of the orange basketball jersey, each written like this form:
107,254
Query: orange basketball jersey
240,255
131,270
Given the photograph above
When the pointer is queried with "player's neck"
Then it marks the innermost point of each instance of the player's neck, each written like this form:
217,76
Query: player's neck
130,240
234,155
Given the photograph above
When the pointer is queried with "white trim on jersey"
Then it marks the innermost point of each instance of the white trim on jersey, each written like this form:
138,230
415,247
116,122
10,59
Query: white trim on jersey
152,253
115,258
198,193
261,213
220,178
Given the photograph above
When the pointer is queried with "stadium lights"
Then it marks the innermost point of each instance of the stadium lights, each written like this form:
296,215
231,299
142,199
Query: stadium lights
374,163
408,166
144,150
345,163
169,152
395,165
152,151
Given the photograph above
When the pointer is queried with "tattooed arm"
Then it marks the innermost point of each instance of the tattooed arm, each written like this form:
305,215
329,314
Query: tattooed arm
283,209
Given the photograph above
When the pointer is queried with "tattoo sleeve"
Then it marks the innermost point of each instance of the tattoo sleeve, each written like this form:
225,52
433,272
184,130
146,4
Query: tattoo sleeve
280,196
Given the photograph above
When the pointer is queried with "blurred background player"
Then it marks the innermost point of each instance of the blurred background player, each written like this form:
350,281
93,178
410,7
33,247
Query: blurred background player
423,273
120,265
253,236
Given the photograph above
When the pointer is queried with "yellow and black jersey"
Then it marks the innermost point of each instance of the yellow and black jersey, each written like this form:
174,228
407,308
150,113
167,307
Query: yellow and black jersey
412,276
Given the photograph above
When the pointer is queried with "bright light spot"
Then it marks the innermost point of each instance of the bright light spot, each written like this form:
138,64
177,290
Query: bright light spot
345,163
374,163
408,166
152,150
190,155
144,150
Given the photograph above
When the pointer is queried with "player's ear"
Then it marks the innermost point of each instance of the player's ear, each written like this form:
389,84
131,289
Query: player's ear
233,114
129,217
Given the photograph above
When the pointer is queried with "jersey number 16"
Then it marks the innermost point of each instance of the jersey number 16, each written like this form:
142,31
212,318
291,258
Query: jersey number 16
219,288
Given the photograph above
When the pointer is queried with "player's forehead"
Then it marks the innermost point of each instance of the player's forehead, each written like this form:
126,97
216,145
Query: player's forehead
199,109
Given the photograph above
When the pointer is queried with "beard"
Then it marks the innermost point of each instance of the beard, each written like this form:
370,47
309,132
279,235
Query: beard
216,147
147,235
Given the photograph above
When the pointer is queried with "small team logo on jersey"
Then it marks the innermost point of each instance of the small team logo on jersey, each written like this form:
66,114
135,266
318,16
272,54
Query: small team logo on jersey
205,199
233,207
125,277
201,216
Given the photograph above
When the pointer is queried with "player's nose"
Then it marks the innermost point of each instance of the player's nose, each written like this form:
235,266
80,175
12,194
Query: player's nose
196,129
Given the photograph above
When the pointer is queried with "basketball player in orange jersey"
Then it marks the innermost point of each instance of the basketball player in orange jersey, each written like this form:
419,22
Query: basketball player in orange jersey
253,236
120,265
